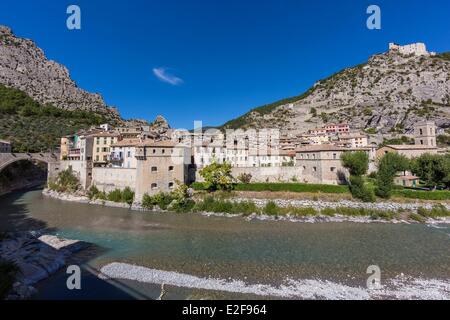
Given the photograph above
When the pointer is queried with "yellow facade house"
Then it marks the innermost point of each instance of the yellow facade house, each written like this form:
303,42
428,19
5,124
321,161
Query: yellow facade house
102,147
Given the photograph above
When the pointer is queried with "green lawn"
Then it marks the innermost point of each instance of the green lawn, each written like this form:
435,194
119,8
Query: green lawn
337,189
286,187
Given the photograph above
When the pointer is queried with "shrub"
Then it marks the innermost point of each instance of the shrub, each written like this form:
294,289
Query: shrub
359,190
217,176
93,192
245,178
417,217
423,195
246,208
162,200
66,181
436,212
271,209
301,211
127,196
388,166
328,212
147,202
115,195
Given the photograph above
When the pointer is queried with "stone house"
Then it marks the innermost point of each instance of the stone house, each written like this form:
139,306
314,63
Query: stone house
425,134
409,151
407,181
123,154
102,147
160,165
322,164
353,140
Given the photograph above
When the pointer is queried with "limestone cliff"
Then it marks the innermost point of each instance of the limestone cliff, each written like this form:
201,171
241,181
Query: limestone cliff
24,66
389,93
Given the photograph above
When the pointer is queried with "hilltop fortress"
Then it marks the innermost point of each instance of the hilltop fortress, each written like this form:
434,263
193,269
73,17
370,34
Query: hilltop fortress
418,49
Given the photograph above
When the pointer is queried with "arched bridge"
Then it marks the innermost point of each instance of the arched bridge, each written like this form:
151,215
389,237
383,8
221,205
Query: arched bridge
8,158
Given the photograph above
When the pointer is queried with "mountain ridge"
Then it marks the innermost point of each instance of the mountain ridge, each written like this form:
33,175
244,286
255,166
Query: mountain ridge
388,93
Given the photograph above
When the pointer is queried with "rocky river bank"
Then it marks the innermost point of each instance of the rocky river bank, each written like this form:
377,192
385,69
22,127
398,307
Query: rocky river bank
37,256
317,205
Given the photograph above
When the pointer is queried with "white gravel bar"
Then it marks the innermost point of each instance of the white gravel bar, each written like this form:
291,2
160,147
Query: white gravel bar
398,288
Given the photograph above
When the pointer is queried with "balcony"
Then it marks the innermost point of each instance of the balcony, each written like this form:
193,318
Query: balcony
115,157
75,152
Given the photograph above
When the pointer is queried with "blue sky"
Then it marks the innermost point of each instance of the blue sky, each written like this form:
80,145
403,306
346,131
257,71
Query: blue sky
225,56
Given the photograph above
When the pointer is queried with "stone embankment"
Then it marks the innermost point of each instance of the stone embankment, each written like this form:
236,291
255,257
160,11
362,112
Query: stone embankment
319,205
37,257
80,198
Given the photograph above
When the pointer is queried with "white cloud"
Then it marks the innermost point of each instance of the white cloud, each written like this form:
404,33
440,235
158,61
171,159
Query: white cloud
162,74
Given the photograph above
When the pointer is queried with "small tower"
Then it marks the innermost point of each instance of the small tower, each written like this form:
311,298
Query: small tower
425,133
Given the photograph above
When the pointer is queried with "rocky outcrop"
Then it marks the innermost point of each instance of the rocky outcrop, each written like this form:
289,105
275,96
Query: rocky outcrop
24,66
390,92
37,257
160,126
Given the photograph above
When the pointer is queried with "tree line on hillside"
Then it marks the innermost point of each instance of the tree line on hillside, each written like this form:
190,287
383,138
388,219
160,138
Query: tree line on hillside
34,127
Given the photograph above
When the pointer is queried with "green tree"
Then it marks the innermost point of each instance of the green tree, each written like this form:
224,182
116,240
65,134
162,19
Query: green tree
433,169
357,163
388,166
217,176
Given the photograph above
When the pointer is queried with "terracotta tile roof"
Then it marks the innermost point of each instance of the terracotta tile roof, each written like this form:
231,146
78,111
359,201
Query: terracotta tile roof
164,143
327,147
126,143
104,134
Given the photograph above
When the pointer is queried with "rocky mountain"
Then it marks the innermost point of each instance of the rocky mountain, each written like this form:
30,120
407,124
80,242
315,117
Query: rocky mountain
388,94
24,66
39,102
160,126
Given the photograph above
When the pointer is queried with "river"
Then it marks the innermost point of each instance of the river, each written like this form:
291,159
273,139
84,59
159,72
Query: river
222,258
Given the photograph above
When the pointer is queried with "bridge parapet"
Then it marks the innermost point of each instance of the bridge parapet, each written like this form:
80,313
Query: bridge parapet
8,158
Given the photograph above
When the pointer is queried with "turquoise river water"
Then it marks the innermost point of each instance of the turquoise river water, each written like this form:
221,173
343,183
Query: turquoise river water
221,257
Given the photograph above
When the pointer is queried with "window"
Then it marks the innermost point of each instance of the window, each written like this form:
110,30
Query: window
333,169
154,186
163,151
421,132
171,168
154,151
170,185
98,149
314,169
154,169
129,154
334,156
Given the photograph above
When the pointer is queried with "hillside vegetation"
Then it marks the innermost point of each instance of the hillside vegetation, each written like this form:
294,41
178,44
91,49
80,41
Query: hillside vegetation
33,127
